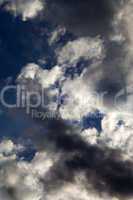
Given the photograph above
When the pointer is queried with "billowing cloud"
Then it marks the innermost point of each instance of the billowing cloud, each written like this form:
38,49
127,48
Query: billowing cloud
73,168
73,162
82,48
113,74
117,132
78,99
45,78
27,9
16,182
43,84
80,159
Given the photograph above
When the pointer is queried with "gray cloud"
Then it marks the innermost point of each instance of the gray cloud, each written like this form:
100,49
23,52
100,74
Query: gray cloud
104,168
83,17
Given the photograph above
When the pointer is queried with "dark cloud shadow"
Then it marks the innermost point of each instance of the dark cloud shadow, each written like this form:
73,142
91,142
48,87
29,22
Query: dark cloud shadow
104,168
88,17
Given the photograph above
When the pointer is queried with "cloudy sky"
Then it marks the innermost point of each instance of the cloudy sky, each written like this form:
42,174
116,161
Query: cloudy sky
66,122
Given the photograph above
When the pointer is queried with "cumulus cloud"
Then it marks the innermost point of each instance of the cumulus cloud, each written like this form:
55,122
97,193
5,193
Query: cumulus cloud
71,160
103,69
82,48
17,182
6,146
73,98
45,78
117,132
79,158
41,82
76,163
115,67
79,99
27,9
20,179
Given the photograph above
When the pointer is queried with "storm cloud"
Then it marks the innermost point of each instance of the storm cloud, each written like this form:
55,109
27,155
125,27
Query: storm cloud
104,168
88,17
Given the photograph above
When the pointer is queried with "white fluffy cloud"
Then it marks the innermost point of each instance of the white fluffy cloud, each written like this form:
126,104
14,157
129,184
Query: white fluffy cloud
22,181
21,177
78,95
79,99
44,77
36,79
118,132
8,151
82,48
27,9
6,146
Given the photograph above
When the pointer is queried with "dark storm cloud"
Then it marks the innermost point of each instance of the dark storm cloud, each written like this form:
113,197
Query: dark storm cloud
84,17
104,168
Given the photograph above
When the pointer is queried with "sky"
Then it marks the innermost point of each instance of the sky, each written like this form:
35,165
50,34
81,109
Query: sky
66,124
